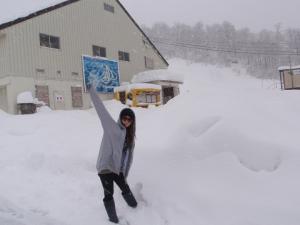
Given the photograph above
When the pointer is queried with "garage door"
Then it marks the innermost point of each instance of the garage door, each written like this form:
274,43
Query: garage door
77,97
42,93
3,98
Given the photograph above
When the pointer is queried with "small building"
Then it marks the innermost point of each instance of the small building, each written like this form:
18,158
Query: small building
289,77
169,82
43,44
139,95
26,103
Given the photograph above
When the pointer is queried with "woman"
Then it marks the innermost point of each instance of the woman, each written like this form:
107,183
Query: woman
115,155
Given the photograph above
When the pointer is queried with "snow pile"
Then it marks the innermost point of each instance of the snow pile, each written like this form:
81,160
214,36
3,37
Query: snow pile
25,97
14,9
44,109
2,112
288,68
157,75
224,152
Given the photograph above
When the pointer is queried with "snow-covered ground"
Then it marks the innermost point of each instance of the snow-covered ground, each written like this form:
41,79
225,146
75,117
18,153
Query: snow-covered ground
224,152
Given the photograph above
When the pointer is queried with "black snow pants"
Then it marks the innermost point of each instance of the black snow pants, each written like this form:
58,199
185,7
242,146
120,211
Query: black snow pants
108,180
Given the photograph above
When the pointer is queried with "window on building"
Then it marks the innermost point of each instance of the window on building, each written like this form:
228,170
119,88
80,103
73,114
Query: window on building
124,56
49,41
40,70
149,63
75,74
99,51
109,8
147,98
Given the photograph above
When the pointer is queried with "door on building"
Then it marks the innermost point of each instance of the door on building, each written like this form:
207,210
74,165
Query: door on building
77,101
168,93
59,100
42,93
122,95
3,98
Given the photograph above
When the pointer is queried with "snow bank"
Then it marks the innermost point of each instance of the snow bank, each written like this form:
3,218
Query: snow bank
44,109
225,151
2,112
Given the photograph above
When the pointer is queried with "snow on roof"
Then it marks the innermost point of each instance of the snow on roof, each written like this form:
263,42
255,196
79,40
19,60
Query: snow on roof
14,9
25,97
136,86
289,67
157,75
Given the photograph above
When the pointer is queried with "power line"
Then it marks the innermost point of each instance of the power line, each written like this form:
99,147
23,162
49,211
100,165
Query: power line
225,49
226,46
217,44
251,43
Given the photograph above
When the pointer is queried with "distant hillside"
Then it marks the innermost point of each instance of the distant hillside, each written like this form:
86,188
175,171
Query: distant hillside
222,44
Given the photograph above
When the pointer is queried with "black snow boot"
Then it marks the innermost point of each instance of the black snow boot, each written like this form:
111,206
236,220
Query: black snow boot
111,211
129,198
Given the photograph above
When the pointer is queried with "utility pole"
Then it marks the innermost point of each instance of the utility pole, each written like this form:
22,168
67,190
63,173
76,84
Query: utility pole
291,71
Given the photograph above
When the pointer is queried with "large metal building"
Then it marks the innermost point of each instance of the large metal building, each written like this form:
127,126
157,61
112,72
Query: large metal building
42,51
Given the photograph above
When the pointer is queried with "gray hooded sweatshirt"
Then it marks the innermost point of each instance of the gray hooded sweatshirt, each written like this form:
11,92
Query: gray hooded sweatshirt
111,149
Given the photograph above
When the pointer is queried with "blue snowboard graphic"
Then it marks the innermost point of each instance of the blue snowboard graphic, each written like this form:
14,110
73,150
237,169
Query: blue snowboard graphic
102,73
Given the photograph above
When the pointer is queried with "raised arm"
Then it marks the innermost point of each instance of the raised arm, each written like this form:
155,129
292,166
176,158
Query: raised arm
106,120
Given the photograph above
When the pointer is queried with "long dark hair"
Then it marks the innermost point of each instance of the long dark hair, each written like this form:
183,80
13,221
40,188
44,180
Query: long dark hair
130,131
130,134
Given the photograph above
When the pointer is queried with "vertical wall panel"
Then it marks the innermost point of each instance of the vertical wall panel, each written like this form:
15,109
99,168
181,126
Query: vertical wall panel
79,26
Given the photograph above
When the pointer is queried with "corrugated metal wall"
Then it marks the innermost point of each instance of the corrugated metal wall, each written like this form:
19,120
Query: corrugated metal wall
79,26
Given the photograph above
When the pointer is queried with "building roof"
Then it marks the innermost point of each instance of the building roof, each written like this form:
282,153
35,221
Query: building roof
13,12
129,87
157,75
288,68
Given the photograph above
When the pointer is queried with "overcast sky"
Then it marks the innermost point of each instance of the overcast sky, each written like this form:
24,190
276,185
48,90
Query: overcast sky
255,14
